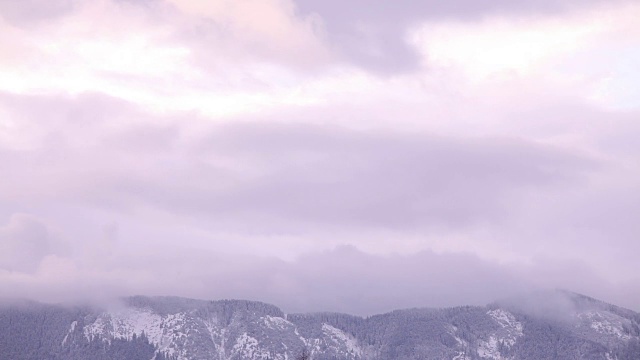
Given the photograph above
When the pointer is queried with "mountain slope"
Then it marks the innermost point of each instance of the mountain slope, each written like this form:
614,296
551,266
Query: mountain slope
554,325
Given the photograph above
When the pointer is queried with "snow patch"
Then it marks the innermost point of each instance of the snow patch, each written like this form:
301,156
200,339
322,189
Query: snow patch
463,344
274,322
489,349
605,323
248,348
339,337
505,319
509,332
164,332
72,328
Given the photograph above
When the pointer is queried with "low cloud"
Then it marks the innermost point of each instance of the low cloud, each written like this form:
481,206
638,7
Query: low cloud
344,279
24,243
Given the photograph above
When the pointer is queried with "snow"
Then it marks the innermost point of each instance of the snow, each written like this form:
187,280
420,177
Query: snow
510,330
181,334
125,323
506,320
161,331
248,347
217,336
295,331
461,356
605,323
72,328
489,349
463,344
274,322
342,339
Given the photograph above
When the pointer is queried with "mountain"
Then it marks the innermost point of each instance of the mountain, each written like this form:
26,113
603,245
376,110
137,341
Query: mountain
549,325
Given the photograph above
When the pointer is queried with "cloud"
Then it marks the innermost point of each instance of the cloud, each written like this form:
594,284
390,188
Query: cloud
331,175
243,135
268,29
343,279
163,56
34,11
284,187
374,35
277,176
24,243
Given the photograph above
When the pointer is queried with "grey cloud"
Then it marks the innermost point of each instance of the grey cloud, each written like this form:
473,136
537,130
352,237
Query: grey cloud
103,156
329,175
343,280
552,305
24,242
93,159
30,12
372,33
348,280
279,176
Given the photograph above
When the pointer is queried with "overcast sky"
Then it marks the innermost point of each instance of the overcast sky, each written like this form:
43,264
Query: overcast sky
355,156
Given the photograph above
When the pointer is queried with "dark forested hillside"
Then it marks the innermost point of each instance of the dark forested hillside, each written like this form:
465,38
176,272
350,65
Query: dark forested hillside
557,325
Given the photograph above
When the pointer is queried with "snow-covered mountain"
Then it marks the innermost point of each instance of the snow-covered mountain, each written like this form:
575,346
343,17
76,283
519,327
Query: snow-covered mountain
555,325
190,329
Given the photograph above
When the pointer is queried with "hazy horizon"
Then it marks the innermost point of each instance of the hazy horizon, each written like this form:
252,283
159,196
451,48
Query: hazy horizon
556,304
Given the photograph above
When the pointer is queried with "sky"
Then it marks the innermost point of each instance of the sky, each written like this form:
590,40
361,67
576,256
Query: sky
321,155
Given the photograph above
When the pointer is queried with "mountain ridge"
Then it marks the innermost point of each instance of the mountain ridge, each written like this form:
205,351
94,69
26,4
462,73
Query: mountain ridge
551,325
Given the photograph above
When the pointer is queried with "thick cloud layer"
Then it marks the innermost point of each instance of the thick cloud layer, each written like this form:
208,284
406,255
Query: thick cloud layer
374,33
279,176
236,149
